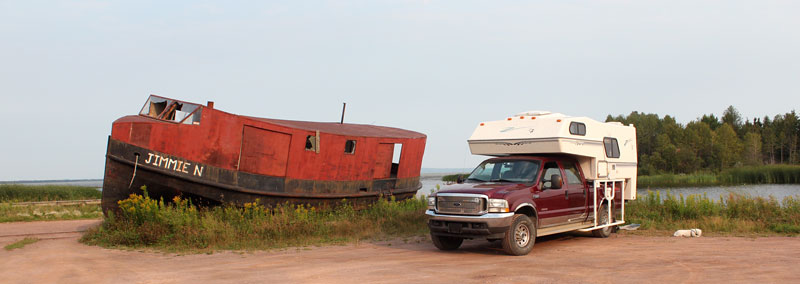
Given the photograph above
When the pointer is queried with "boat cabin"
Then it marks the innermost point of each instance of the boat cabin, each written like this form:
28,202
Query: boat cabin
177,147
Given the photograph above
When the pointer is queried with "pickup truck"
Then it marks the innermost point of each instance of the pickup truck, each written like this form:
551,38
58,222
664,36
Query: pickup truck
516,198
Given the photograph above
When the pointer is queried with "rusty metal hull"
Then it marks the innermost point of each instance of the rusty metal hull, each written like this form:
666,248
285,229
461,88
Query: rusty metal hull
129,167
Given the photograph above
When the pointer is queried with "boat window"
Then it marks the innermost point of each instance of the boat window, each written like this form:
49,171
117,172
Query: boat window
522,171
612,147
172,110
311,143
577,128
350,147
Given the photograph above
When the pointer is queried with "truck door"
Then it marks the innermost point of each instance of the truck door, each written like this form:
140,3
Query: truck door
551,202
576,191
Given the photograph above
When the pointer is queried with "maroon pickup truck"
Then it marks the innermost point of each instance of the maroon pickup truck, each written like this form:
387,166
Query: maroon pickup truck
515,199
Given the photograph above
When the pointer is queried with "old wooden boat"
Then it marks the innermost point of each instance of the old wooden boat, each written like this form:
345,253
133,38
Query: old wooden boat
178,148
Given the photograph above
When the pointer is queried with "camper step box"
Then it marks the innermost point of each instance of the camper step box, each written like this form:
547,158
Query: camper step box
605,150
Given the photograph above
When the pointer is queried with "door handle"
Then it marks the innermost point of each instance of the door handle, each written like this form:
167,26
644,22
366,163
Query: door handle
566,194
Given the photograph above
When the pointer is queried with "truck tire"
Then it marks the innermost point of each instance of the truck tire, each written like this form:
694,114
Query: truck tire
520,237
602,216
446,243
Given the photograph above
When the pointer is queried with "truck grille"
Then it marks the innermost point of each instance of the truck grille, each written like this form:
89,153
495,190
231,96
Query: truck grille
461,204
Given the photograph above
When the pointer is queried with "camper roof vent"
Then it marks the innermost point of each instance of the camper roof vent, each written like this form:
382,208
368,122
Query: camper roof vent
538,113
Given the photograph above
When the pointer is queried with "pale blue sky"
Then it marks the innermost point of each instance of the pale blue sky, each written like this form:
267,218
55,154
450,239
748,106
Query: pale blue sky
68,69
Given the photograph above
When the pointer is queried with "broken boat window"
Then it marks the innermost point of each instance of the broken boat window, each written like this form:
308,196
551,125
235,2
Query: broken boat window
577,128
350,147
171,110
312,143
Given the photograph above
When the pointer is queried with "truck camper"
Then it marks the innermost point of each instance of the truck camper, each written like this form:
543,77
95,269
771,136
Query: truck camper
550,173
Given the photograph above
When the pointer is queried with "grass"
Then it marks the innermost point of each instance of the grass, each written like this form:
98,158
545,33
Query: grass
454,178
179,226
26,193
22,243
13,213
768,174
772,174
673,180
735,214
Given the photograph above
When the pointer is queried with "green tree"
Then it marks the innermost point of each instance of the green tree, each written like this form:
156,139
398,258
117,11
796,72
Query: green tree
769,140
700,137
731,116
752,149
727,147
711,120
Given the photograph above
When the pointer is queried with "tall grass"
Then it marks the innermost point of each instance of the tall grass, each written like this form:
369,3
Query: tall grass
180,226
25,193
672,180
769,174
454,178
778,174
14,213
734,214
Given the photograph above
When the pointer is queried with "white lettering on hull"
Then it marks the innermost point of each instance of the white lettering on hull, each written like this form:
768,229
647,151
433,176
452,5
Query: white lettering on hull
174,164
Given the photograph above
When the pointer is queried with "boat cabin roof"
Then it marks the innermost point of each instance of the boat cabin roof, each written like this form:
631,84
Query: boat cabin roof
177,111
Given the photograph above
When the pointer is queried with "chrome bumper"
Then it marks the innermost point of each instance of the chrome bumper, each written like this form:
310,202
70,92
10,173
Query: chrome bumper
493,220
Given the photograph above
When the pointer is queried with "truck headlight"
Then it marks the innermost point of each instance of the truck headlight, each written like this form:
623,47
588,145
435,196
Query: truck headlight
498,205
432,202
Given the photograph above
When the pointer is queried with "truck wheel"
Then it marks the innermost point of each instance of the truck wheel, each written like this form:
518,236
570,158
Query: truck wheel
446,243
602,219
519,239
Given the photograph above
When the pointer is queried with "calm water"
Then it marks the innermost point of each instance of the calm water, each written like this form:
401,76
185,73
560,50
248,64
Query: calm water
778,191
431,180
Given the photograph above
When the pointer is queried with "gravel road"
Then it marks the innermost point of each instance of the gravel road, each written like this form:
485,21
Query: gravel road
622,258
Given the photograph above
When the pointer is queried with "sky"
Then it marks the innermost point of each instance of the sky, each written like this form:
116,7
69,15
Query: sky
68,69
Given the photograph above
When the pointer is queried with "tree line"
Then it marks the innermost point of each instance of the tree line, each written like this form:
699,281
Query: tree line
711,143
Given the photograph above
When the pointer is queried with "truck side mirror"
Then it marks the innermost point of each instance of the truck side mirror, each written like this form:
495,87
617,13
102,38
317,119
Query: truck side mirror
556,182
460,179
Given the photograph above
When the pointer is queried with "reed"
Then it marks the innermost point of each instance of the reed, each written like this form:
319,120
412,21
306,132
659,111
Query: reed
25,193
768,174
734,214
673,180
177,225
772,174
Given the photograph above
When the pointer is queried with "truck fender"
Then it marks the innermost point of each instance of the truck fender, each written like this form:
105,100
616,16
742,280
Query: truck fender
528,208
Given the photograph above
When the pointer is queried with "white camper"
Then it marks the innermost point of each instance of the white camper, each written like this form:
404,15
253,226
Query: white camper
606,151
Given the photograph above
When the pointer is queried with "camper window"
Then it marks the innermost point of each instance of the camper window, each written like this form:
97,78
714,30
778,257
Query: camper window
577,128
612,147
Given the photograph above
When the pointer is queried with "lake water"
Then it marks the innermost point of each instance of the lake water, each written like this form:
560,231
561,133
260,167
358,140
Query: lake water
779,191
98,183
431,180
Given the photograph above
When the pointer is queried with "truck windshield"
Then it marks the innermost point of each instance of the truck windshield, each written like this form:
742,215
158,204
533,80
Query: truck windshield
522,171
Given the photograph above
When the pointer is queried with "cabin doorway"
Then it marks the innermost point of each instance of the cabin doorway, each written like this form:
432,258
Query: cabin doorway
387,165
398,150
264,151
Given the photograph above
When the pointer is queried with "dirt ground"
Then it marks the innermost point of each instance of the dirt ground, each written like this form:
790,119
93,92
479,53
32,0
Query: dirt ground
59,258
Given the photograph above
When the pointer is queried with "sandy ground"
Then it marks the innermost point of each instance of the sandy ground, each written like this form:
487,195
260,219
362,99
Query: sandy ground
59,258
